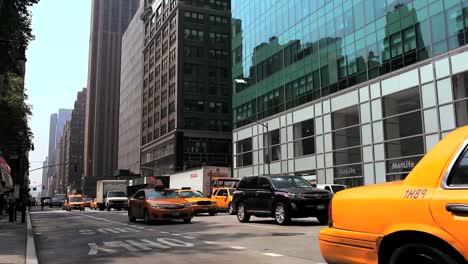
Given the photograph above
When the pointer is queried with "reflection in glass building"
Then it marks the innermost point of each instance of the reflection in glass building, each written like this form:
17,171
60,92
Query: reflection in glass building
351,91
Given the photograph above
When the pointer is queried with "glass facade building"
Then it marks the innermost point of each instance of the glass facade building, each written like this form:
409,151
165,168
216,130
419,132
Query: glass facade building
353,92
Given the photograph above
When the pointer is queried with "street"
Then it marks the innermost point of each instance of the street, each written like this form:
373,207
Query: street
108,237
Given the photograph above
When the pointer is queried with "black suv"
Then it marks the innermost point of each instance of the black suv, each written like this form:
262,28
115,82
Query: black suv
281,197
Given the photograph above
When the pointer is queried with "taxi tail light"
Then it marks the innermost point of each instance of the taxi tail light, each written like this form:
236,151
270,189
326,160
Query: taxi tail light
330,214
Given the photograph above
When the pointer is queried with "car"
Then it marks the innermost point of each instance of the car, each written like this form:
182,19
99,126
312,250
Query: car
159,204
282,197
57,202
223,197
333,188
47,201
421,219
74,201
200,202
87,202
93,204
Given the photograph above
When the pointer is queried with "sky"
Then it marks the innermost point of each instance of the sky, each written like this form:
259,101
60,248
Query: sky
56,67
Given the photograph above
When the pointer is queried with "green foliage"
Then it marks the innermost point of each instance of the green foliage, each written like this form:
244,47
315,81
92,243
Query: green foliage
14,114
15,30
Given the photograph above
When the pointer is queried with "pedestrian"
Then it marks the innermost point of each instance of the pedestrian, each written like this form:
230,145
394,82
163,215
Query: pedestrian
42,204
11,209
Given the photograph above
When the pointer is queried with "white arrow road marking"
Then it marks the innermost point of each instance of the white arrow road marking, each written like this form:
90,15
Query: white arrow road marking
174,242
120,244
146,244
94,249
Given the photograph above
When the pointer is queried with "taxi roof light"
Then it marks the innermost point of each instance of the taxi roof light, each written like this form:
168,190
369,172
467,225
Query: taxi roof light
186,188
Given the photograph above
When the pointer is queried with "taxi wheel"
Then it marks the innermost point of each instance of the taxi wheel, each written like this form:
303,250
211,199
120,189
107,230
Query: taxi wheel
281,216
146,217
420,254
187,220
242,215
212,213
230,209
131,218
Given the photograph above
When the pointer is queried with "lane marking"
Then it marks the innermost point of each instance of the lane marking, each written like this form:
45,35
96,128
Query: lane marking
237,247
188,237
272,255
102,219
176,234
94,249
146,244
210,242
164,232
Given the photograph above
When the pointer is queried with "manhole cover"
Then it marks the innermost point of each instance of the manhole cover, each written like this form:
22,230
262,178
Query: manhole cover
287,234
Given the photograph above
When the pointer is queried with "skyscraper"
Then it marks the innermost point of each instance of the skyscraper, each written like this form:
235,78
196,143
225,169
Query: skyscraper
186,92
109,19
45,178
131,88
57,123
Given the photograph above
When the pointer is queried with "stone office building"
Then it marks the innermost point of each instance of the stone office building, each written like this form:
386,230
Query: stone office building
351,92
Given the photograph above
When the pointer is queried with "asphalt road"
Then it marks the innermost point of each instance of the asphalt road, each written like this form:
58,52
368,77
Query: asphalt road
107,237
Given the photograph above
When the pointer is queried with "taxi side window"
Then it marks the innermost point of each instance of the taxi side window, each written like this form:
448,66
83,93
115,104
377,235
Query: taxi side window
222,192
215,193
139,194
459,173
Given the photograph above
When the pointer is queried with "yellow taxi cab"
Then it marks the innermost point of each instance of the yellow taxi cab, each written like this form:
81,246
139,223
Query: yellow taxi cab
74,201
223,197
159,204
93,204
422,219
200,202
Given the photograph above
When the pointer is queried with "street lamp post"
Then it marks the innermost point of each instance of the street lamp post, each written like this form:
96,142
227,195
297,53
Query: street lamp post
267,138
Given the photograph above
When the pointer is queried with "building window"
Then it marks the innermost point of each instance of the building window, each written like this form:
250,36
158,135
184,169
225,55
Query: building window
194,105
172,72
460,94
218,37
173,23
217,107
171,107
271,141
171,90
346,137
163,112
193,34
163,130
244,152
172,38
163,96
172,56
193,52
304,140
404,144
171,125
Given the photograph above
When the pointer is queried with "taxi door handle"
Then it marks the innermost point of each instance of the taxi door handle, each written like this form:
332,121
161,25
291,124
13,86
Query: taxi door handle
459,209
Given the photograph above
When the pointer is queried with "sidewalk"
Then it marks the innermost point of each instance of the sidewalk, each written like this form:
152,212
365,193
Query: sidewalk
16,241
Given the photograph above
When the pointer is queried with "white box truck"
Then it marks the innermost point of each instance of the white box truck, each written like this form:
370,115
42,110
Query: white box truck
111,194
204,179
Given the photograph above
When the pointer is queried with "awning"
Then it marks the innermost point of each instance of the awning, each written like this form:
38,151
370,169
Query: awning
6,180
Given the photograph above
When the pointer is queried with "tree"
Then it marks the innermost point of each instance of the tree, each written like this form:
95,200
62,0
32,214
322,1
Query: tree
15,31
14,114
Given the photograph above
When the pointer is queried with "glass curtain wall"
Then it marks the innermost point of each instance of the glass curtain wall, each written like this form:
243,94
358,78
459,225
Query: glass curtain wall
288,52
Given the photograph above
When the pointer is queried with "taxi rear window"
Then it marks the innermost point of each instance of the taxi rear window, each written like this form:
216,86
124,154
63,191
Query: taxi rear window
76,199
192,194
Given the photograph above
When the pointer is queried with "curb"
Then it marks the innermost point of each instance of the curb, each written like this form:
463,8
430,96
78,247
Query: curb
31,256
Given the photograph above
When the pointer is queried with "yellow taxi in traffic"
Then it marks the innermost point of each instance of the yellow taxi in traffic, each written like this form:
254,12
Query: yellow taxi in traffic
422,219
199,201
93,204
74,201
223,197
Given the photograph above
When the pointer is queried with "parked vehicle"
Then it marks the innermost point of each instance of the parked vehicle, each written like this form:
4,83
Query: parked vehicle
206,179
223,197
200,202
333,188
159,204
111,194
47,201
74,201
280,197
421,219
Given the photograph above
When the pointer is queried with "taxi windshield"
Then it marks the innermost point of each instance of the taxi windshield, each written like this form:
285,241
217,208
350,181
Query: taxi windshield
228,183
337,188
192,194
231,192
76,199
290,182
162,194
